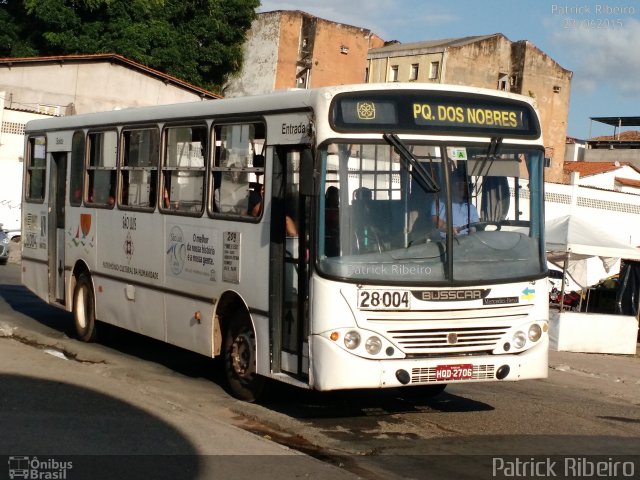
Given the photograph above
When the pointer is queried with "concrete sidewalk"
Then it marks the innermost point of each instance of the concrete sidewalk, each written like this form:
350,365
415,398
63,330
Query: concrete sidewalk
613,375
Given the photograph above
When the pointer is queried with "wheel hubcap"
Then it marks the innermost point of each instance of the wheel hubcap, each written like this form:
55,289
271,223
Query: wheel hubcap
80,308
242,355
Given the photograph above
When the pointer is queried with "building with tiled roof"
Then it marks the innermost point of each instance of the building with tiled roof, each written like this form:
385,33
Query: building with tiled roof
621,146
586,169
628,136
628,182
605,175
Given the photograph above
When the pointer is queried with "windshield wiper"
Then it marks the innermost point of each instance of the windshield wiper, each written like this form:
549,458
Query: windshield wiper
418,171
493,152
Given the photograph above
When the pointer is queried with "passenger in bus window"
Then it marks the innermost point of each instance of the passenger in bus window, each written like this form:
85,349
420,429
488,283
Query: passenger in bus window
217,181
166,200
463,211
290,226
77,195
256,196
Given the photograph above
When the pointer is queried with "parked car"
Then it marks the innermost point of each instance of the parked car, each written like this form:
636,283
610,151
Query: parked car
14,235
4,247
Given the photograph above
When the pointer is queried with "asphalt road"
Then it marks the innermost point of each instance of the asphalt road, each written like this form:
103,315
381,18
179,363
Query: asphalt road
168,401
118,411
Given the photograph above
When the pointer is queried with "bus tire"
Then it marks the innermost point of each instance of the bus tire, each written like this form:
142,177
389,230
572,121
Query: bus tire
240,360
84,313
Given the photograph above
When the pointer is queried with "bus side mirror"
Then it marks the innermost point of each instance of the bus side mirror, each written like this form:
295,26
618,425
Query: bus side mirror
307,173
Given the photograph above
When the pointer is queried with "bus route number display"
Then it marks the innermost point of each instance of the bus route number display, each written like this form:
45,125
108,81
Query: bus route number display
466,116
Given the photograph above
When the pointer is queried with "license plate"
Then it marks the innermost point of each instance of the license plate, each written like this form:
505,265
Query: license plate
454,372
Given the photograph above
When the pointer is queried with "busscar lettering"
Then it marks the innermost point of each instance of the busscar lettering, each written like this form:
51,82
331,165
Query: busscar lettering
444,295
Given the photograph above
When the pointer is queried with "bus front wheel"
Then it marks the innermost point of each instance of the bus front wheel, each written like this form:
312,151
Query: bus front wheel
240,360
84,314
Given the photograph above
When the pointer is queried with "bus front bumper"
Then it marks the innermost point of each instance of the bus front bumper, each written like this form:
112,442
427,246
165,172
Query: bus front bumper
336,369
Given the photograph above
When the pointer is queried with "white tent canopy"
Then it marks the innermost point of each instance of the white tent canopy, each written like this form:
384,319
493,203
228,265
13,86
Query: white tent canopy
572,238
575,242
574,235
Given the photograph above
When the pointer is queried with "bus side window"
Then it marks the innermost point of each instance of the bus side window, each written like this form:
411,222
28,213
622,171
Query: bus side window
139,170
77,170
101,171
36,169
183,169
238,170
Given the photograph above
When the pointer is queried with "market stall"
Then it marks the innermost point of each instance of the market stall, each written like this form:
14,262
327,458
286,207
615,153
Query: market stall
571,241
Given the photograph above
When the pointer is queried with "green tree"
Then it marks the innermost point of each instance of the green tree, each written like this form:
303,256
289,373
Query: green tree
199,41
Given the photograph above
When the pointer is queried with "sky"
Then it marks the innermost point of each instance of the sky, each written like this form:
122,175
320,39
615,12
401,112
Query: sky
598,41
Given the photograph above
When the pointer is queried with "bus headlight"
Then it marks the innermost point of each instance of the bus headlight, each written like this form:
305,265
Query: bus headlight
352,340
373,345
519,339
535,332
363,343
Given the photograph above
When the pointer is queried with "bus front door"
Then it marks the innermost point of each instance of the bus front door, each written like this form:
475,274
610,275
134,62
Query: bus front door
289,266
56,225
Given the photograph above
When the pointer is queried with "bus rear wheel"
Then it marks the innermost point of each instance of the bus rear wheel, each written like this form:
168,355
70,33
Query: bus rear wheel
240,360
84,314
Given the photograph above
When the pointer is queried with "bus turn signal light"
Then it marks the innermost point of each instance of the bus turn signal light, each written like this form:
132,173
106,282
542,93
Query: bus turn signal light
334,336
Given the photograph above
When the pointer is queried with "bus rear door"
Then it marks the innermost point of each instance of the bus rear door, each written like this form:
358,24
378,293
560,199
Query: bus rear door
59,148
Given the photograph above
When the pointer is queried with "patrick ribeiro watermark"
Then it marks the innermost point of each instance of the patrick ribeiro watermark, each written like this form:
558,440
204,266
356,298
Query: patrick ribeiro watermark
594,16
38,468
564,467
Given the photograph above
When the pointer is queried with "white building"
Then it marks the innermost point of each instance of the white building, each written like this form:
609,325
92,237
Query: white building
12,124
55,86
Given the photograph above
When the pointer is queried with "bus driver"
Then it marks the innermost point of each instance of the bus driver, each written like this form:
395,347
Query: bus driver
464,213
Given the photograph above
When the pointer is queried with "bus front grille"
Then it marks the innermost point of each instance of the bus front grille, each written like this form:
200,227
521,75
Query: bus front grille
428,375
447,340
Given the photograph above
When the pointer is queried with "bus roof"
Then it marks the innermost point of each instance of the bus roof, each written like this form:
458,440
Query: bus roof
275,102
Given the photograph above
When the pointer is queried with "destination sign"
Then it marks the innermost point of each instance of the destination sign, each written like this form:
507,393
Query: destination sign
469,116
434,112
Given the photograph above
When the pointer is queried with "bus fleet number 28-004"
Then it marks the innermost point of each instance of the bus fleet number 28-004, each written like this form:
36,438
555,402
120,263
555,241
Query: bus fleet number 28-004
383,299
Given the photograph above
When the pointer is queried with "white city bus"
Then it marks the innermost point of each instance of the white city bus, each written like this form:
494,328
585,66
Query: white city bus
152,219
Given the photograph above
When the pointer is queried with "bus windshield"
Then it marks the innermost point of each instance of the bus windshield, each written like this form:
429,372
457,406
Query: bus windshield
480,221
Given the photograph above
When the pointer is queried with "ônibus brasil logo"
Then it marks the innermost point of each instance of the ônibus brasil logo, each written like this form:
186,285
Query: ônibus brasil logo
38,469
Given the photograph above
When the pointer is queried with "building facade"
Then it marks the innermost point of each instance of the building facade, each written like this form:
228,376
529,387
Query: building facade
75,84
623,147
292,49
488,61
